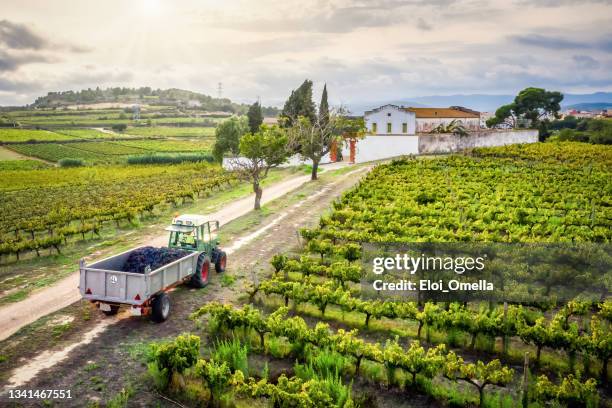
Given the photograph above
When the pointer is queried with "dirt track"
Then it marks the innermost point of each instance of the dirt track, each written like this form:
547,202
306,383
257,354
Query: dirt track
112,351
65,292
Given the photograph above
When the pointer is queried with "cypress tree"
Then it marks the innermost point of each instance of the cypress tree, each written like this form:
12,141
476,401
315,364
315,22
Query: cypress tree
324,108
299,104
255,117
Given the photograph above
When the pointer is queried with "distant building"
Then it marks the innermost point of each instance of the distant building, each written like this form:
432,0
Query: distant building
399,120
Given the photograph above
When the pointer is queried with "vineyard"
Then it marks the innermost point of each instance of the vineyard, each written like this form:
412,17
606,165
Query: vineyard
55,152
22,136
43,208
171,145
346,346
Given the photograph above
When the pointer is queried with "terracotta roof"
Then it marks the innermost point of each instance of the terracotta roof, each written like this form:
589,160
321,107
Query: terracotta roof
441,113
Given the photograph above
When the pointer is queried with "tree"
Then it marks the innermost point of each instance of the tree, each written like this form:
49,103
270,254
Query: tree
260,152
228,135
299,104
255,117
531,105
313,140
324,107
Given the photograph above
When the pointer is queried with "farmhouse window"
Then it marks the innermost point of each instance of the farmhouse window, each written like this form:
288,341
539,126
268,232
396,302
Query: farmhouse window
389,127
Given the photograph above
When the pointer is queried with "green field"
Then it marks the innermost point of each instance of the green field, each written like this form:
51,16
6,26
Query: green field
27,135
6,165
111,148
55,152
84,133
167,131
171,145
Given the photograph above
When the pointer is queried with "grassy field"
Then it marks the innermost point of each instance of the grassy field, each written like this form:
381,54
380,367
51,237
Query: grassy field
55,152
169,146
6,165
26,135
111,148
167,131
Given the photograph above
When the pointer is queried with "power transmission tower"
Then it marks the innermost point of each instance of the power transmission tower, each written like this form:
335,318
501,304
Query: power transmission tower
220,90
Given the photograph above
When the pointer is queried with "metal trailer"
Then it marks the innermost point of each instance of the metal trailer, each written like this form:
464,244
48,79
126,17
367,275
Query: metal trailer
104,283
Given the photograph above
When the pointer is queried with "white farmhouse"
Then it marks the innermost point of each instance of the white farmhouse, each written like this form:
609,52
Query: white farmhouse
399,120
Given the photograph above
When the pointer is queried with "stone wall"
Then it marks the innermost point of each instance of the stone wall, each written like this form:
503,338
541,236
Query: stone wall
447,143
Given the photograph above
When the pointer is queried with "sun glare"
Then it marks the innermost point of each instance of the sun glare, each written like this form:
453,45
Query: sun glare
151,8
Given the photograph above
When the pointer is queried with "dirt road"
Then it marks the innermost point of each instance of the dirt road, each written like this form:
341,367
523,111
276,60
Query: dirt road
65,292
97,367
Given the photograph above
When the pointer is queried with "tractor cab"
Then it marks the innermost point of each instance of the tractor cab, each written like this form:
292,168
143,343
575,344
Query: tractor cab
193,233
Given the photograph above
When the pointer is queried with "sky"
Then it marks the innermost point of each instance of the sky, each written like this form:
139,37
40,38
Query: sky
365,50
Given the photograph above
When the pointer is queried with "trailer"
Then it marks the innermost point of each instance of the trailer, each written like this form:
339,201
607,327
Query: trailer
106,284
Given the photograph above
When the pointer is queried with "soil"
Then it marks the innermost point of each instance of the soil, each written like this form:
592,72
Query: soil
97,367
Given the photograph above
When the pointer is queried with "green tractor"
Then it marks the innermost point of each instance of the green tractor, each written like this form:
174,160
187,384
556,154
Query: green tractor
194,233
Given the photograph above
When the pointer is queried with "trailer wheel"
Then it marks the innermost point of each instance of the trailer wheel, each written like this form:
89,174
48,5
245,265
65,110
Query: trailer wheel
221,262
199,279
113,311
160,308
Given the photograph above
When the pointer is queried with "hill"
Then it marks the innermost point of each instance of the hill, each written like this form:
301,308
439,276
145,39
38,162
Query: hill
590,106
142,95
479,102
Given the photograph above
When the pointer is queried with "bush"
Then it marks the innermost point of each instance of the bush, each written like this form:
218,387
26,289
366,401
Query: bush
170,158
120,127
173,357
71,162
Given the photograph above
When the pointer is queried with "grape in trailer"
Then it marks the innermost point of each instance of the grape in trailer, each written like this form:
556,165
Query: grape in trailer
141,277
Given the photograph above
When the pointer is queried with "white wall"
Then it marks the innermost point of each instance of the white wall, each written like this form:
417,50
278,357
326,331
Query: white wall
382,147
390,114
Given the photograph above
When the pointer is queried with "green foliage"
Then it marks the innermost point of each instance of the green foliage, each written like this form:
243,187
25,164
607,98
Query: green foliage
121,399
262,151
299,104
227,136
234,353
173,357
571,391
170,158
44,207
119,127
255,117
596,132
67,162
529,107
217,376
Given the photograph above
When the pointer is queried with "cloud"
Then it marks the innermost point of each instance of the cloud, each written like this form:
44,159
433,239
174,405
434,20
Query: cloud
586,62
423,25
558,3
550,42
20,37
11,62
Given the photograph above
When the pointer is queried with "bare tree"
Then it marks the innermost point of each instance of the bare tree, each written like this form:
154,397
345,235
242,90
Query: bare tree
313,140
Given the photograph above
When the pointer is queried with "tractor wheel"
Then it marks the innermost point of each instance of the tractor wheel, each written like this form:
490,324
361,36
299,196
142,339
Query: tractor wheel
221,262
160,308
199,279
